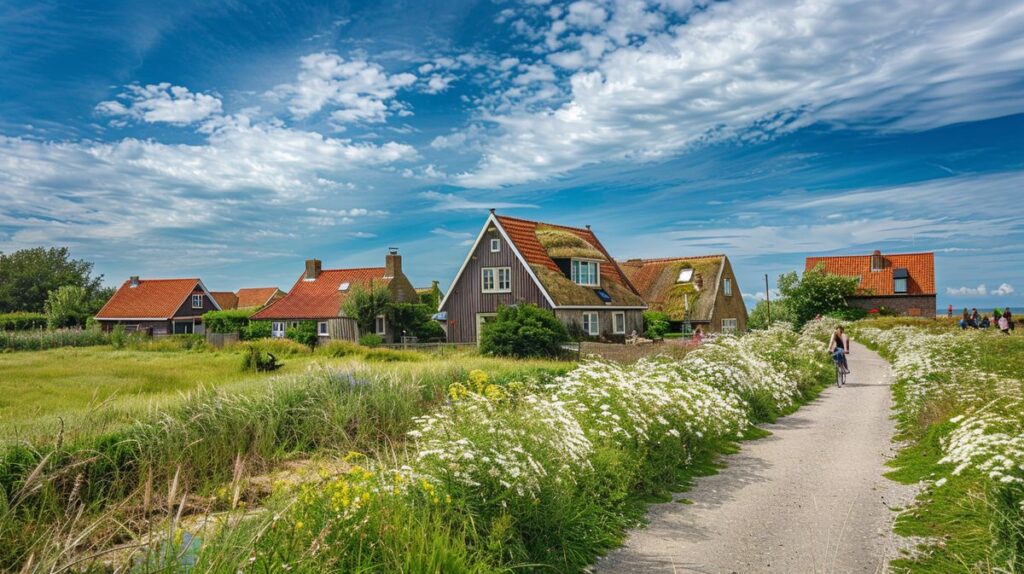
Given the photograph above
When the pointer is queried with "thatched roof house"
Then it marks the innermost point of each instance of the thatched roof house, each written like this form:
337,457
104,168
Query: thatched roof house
699,290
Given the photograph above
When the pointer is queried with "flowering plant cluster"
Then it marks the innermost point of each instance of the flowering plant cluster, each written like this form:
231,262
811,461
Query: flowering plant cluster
541,471
988,434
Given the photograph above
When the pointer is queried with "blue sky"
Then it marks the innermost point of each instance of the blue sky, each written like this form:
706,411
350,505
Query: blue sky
233,140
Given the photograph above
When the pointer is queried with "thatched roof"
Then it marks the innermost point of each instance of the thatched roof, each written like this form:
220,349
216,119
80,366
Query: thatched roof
563,244
657,281
565,292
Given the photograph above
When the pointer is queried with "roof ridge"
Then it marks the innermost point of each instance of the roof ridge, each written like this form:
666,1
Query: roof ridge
167,279
350,269
666,259
559,225
884,254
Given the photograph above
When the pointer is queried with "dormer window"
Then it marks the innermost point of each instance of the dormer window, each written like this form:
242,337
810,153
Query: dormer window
685,275
586,273
197,301
899,280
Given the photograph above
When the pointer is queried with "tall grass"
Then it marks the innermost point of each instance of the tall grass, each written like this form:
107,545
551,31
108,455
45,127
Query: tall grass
51,491
37,340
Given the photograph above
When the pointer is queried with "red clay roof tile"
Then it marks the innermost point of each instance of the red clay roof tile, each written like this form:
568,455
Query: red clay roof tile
151,299
321,298
920,267
255,296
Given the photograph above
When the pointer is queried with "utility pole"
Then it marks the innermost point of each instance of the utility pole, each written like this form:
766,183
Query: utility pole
768,299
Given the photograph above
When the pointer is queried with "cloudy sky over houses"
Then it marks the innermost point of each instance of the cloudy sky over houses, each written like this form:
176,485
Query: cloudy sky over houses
233,140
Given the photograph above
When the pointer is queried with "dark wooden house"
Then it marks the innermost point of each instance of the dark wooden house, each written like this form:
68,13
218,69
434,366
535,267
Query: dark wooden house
158,306
563,269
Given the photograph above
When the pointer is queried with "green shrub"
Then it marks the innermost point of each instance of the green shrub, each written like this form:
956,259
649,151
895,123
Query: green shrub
415,320
169,343
68,306
371,340
304,333
22,321
524,331
255,359
848,314
655,324
780,310
816,293
365,305
230,321
256,330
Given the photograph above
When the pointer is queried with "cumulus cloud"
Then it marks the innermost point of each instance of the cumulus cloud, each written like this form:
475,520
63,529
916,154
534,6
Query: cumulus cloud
356,90
980,291
162,102
755,69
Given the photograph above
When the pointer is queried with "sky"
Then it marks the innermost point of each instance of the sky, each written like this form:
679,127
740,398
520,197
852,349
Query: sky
233,140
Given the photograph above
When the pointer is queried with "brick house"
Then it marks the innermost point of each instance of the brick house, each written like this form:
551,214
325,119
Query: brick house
900,282
158,306
563,269
691,291
319,295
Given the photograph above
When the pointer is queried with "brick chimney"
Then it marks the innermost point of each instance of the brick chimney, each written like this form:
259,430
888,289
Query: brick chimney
877,261
392,263
313,267
134,281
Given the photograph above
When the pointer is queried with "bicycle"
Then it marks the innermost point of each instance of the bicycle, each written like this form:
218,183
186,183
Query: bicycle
841,370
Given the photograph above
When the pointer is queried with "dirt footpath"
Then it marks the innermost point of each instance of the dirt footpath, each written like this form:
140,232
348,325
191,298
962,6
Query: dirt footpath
810,498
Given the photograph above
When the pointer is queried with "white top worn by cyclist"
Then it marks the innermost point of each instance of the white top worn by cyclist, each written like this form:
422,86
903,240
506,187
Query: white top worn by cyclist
839,340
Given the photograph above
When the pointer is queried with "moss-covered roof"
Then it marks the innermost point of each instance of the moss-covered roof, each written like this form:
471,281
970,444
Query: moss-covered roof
563,244
565,292
657,281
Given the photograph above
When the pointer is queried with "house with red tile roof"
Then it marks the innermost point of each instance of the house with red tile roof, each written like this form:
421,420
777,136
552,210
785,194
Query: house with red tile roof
900,282
691,291
258,297
562,269
225,299
319,295
158,306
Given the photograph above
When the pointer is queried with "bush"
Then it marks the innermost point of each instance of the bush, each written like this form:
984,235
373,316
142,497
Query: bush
22,321
117,336
257,360
816,293
415,320
371,340
655,325
169,343
524,331
848,314
304,333
365,305
68,306
338,349
230,321
256,330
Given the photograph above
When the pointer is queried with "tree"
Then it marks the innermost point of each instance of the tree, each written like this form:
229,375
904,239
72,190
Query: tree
415,319
365,305
524,331
816,293
27,277
69,306
655,324
780,312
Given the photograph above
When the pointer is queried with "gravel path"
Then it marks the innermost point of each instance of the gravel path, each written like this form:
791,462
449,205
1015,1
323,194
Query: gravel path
809,498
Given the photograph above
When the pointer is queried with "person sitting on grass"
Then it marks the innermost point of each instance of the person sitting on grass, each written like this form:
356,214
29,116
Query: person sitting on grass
1009,317
965,319
984,322
1004,325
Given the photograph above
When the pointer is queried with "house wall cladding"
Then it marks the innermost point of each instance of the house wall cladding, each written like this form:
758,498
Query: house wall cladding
342,328
466,298
909,305
634,320
729,306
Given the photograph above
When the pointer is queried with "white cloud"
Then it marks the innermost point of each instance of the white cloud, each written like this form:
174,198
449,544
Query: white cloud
980,291
759,296
756,68
452,202
162,103
438,83
357,90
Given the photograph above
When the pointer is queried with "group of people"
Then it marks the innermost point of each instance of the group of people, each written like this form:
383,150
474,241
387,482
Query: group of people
1001,319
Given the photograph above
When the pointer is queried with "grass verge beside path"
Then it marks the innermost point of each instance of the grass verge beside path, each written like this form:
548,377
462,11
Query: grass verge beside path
958,398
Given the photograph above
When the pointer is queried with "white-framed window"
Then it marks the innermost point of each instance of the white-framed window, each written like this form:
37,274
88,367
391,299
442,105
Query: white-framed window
321,329
619,322
591,325
728,325
899,285
496,279
380,325
586,272
197,301
727,286
495,245
277,329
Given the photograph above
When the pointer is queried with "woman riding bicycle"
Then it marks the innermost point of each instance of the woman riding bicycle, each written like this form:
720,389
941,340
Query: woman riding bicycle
839,347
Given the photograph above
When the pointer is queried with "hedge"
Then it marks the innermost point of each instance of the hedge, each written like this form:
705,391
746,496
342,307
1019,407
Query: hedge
22,321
